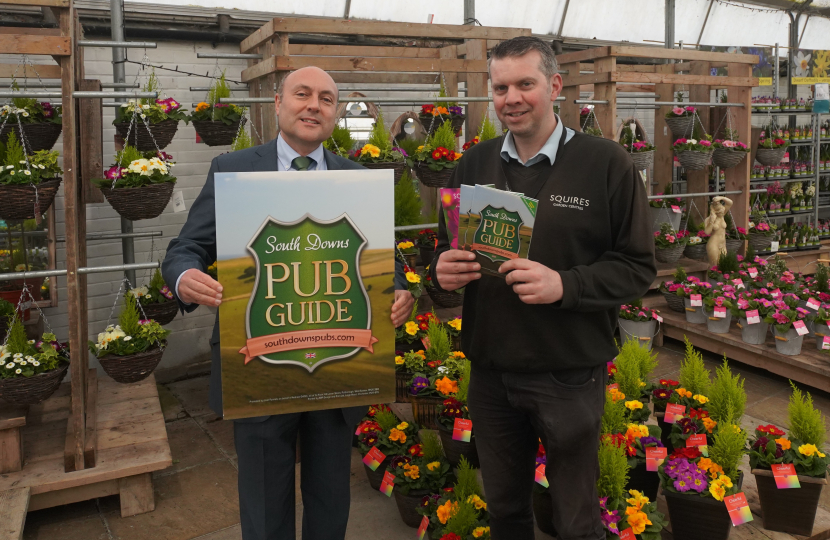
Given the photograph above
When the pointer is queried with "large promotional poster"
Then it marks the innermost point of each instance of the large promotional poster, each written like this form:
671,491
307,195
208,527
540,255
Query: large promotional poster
763,69
306,261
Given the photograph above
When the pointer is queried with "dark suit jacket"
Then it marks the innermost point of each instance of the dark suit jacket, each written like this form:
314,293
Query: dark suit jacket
195,247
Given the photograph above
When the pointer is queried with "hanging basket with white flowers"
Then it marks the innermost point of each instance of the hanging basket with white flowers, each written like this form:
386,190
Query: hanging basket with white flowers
28,183
139,185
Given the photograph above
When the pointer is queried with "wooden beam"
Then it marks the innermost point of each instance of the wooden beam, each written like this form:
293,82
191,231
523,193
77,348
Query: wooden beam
636,69
12,421
91,438
594,78
277,46
46,3
334,63
45,71
568,110
676,78
581,56
737,177
682,54
29,44
387,78
30,31
303,25
663,155
606,115
136,494
92,151
698,181
476,87
256,108
14,504
364,51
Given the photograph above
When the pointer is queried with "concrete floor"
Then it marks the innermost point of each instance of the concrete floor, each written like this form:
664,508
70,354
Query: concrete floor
197,496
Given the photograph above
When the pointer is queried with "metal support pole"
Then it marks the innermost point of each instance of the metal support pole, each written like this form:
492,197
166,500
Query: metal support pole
119,58
777,75
118,44
469,12
659,103
239,56
87,270
669,35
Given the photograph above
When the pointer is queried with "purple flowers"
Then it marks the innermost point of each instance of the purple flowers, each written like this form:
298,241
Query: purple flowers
687,426
649,441
401,150
166,292
456,110
115,172
48,111
418,384
686,475
610,518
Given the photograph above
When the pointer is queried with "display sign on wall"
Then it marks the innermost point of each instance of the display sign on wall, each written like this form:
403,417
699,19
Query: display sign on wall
307,264
763,69
811,67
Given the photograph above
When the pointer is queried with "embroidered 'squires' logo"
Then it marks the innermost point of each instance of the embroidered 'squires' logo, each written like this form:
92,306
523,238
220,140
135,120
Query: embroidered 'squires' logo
570,201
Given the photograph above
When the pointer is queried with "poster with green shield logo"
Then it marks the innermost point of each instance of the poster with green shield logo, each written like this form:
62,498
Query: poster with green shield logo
306,261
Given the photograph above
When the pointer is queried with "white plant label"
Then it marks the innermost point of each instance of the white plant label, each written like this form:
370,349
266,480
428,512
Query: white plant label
739,283
178,202
676,209
697,300
720,312
825,343
813,304
752,317
800,328
753,272
774,247
656,316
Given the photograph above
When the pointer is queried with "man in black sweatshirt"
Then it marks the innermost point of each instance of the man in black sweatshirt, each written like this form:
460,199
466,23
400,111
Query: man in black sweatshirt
540,337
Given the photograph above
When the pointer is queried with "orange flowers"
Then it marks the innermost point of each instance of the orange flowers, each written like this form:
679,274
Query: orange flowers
437,111
446,511
202,106
412,471
785,443
397,435
446,386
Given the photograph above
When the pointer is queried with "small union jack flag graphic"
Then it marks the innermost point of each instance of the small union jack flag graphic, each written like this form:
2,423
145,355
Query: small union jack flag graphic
311,355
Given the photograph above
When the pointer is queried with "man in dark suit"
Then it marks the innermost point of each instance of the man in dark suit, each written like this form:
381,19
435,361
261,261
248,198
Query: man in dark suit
306,105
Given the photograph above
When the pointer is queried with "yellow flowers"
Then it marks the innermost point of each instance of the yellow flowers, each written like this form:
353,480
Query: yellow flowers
411,328
446,386
403,425
446,511
478,532
455,323
708,423
636,431
412,471
637,520
718,487
706,464
785,443
397,435
637,500
412,277
616,395
700,398
202,106
809,450
370,149
399,360
420,148
476,501
434,465
457,354
633,405
683,392
405,245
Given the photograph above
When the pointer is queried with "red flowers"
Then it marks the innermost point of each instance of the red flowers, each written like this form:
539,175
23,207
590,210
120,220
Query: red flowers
436,155
699,414
416,450
669,383
427,109
612,369
771,430
779,142
691,453
368,425
450,536
435,363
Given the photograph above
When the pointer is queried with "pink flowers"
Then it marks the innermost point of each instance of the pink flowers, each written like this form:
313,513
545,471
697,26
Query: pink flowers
679,111
690,109
742,231
780,318
670,239
705,143
114,173
681,141
168,105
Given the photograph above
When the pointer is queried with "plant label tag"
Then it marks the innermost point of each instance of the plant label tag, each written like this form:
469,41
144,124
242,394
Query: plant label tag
753,272
776,293
674,412
697,300
739,283
825,344
462,430
422,528
178,202
388,484
785,477
373,458
613,386
774,246
655,457
800,328
540,476
738,509
752,316
656,316
628,534
720,312
786,158
676,209
700,442
813,304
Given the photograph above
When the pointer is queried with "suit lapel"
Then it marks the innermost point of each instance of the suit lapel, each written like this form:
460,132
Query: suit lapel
267,157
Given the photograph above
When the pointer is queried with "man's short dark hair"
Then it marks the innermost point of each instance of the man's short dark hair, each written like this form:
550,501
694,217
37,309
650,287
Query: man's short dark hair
520,46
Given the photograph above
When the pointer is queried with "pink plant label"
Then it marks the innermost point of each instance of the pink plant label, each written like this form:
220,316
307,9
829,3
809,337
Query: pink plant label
813,304
628,534
800,328
785,476
753,272
825,343
752,316
674,412
655,457
656,316
776,293
675,209
720,312
696,299
738,509
739,283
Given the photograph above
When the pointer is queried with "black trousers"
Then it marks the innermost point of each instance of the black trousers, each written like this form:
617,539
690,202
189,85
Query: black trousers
267,455
509,411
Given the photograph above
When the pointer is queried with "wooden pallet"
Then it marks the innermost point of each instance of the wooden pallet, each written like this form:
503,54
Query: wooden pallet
811,367
131,444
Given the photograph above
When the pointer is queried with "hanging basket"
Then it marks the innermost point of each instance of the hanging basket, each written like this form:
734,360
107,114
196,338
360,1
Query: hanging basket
39,136
425,410
163,133
726,158
770,156
18,201
428,120
145,202
695,252
694,160
430,178
410,259
34,389
759,242
675,302
162,313
643,160
133,367
398,167
669,255
681,127
733,245
445,299
217,133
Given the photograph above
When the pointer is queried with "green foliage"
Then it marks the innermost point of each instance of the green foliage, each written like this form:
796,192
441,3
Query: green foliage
727,397
613,471
806,422
14,151
157,281
613,416
6,312
410,146
679,275
128,319
380,136
628,369
464,520
49,160
431,447
466,481
407,202
442,92
464,381
386,419
439,342
444,136
694,376
17,341
822,276
218,89
242,140
340,142
152,85
126,156
728,262
487,130
728,448
751,254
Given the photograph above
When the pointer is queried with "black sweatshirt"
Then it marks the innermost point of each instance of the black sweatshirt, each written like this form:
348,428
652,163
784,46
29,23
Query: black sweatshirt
592,226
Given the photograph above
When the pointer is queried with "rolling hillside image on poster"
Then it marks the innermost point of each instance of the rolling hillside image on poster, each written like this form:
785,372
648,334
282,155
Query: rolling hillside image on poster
306,261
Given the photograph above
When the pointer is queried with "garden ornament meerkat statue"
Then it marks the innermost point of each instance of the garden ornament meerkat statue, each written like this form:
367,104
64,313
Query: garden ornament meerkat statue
715,227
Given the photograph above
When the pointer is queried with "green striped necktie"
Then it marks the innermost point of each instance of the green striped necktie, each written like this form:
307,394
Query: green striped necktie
301,163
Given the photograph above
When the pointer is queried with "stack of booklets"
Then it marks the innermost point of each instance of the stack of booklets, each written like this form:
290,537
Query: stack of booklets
496,225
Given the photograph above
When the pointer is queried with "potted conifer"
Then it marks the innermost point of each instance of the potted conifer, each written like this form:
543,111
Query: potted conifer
418,477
